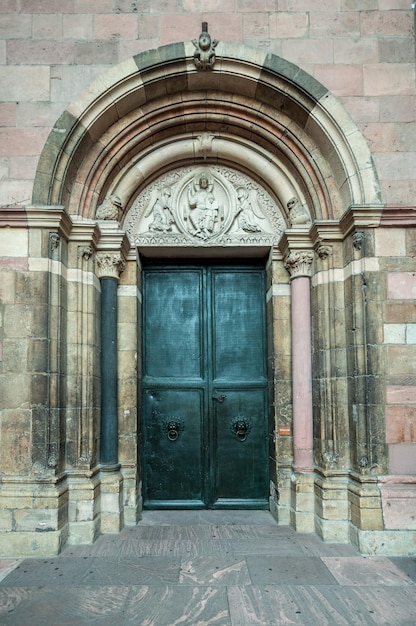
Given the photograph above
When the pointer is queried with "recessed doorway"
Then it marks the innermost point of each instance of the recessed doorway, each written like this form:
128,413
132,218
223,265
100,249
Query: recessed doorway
204,386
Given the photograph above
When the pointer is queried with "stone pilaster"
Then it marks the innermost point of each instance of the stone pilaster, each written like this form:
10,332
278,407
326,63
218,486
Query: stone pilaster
34,496
329,366
82,384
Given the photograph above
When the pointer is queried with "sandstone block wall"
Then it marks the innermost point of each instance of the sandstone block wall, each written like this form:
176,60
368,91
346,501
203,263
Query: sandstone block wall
362,51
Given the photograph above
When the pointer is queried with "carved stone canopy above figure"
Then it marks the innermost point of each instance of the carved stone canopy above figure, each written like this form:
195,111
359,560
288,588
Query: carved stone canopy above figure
204,206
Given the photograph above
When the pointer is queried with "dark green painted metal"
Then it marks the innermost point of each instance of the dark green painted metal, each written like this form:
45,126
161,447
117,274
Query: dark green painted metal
109,418
204,387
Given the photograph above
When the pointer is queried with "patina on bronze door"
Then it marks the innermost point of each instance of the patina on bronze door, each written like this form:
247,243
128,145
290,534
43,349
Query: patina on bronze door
204,387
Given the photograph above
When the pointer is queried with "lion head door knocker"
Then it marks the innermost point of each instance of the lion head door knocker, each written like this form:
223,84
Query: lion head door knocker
173,428
204,55
240,427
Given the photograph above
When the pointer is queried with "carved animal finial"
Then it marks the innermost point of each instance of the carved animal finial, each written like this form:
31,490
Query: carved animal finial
298,215
109,209
204,55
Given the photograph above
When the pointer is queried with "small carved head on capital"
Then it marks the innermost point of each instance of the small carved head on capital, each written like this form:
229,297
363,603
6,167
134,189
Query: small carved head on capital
54,240
357,239
86,252
324,251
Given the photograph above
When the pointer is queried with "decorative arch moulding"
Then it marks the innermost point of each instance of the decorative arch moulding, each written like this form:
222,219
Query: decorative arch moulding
262,100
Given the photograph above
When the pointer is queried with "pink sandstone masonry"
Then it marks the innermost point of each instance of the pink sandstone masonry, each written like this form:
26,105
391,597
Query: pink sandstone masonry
364,53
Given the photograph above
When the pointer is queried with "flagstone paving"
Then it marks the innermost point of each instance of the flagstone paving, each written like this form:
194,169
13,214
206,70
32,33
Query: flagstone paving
203,568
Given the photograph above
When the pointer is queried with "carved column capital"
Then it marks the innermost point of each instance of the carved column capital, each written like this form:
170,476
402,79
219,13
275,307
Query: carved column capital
298,263
110,264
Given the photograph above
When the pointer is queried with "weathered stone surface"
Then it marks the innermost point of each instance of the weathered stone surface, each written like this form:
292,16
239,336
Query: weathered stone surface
402,458
399,504
363,320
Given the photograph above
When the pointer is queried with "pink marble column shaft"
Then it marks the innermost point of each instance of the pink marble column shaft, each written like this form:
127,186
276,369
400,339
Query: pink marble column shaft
302,375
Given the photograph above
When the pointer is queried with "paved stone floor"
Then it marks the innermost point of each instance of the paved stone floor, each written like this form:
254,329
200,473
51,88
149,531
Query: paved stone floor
197,568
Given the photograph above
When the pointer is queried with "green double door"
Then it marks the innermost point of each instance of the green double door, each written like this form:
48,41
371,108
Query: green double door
205,441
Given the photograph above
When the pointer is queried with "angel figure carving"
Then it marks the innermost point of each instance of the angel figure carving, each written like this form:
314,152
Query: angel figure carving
204,55
247,210
160,205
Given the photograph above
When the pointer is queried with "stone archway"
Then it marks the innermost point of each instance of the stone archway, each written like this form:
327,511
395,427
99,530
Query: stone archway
268,122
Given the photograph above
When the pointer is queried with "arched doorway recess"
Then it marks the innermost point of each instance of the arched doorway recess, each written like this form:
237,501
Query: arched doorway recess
275,127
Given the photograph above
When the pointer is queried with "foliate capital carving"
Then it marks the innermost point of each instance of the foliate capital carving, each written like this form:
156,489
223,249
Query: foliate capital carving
110,265
298,263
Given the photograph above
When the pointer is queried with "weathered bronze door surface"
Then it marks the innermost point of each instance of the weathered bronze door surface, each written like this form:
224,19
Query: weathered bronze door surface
204,387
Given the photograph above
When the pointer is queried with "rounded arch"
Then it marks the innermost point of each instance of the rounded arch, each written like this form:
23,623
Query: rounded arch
255,111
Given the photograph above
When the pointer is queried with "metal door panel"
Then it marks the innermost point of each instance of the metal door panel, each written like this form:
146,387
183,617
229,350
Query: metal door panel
238,325
172,320
173,453
241,472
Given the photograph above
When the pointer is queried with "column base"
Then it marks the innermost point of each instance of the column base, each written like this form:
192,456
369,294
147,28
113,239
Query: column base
111,500
33,516
32,544
280,497
331,508
302,502
84,518
133,502
384,542
365,503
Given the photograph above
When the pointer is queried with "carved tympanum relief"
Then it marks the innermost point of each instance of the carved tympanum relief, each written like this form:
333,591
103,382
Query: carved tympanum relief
204,206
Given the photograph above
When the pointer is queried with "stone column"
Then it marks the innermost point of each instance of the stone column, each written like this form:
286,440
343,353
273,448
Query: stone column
109,269
112,251
298,263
